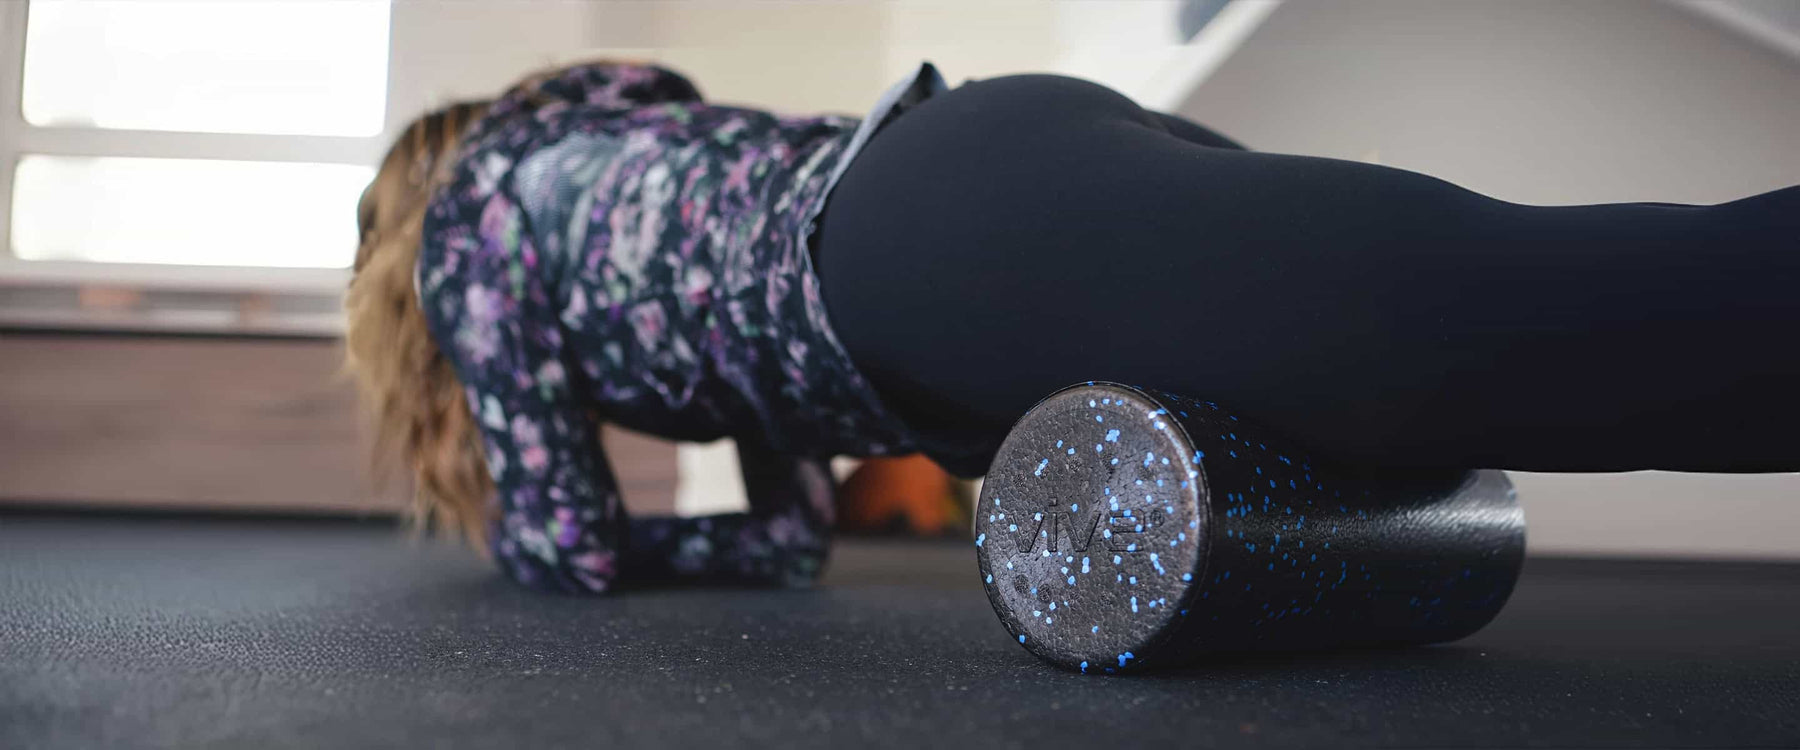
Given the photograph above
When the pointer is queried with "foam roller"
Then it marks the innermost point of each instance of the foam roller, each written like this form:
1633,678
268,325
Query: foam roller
1122,529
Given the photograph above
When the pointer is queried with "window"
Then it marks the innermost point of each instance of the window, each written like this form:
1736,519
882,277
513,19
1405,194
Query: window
209,212
192,133
270,66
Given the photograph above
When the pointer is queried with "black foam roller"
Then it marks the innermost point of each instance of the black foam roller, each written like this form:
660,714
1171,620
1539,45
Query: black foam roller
1121,528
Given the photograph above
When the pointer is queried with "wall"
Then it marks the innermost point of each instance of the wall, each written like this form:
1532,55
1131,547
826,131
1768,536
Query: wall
1547,103
788,55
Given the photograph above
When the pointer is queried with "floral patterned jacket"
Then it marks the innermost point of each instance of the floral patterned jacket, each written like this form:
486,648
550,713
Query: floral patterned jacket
611,247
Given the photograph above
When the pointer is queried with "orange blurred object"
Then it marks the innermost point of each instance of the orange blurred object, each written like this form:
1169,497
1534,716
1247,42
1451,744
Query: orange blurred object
904,494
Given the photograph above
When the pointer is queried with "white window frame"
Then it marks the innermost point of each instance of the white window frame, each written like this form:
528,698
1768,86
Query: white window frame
248,286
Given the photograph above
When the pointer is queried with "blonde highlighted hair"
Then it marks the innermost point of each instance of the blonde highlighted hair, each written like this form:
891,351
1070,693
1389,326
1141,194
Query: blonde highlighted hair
421,419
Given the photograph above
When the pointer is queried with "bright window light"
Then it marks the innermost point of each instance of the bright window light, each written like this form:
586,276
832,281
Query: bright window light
188,211
296,67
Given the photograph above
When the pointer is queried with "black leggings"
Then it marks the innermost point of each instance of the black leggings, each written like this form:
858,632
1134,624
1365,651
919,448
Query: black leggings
1020,234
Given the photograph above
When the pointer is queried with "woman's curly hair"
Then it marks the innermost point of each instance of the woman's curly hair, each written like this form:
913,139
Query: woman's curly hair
421,418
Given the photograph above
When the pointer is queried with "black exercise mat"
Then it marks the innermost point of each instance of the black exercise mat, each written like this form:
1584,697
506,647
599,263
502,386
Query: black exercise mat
121,632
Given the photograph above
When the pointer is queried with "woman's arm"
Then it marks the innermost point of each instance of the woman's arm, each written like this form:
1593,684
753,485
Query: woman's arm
560,523
783,540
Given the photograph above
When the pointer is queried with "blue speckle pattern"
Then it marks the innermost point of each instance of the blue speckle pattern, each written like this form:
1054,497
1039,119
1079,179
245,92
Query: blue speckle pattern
1053,571
1402,544
1248,544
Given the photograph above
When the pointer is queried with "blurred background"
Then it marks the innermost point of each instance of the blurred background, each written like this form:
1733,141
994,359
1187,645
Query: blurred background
180,180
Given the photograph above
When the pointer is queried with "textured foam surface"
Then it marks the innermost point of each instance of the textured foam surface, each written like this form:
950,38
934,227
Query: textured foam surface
1198,533
1081,524
198,633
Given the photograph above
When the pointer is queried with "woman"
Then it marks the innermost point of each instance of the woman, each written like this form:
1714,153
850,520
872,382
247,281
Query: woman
600,244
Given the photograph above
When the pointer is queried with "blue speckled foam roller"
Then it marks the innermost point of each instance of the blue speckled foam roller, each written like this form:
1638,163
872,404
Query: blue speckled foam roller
1123,529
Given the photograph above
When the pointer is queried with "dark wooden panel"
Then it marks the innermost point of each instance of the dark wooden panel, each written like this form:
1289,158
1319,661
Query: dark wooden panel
212,423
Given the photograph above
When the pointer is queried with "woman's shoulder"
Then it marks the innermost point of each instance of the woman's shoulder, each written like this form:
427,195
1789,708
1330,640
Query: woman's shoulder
599,83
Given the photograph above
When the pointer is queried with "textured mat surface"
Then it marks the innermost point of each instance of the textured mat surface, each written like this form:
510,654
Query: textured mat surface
120,632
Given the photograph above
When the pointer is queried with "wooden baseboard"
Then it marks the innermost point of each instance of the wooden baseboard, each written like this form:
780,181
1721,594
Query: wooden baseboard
213,423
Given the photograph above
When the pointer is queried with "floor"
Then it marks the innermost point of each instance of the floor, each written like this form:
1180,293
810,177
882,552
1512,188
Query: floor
204,632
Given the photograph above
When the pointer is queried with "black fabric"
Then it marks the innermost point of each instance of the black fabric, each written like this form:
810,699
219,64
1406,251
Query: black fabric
206,633
1020,234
